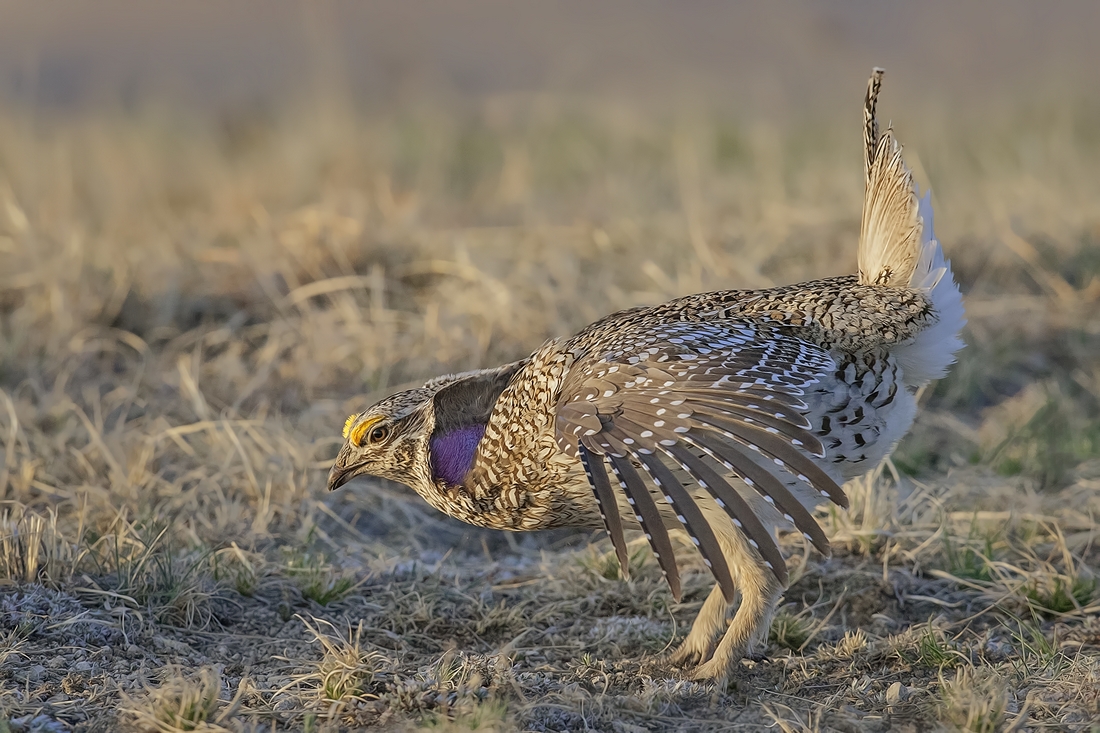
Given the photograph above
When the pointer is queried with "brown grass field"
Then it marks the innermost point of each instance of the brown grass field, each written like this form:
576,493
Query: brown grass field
191,305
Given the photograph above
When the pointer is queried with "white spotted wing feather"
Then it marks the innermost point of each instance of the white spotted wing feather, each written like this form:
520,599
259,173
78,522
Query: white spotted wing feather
704,400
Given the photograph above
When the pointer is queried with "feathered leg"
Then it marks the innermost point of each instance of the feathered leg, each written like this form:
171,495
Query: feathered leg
760,592
748,631
711,621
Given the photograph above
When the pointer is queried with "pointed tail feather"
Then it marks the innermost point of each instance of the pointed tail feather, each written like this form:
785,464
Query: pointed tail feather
870,123
891,231
898,247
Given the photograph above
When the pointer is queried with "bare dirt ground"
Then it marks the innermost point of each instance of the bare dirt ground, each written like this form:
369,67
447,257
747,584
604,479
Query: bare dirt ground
190,308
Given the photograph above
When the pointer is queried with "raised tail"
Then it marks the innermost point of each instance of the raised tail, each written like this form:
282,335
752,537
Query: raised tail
898,247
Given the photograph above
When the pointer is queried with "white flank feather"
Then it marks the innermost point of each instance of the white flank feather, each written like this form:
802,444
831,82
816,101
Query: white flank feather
934,349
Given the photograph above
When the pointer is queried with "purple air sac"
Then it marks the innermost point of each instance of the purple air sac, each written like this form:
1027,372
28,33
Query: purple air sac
453,453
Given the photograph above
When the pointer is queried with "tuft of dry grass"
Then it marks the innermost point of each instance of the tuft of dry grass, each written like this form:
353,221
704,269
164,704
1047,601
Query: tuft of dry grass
188,312
182,703
789,720
33,549
974,701
345,671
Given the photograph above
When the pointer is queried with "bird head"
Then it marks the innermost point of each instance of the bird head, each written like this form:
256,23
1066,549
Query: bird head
425,436
389,440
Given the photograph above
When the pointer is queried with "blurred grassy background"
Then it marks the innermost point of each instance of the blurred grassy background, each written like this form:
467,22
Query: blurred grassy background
223,227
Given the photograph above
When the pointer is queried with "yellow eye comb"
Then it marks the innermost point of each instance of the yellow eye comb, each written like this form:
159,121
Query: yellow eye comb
355,433
348,423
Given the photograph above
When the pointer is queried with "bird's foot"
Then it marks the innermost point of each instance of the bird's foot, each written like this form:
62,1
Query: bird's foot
711,671
717,668
692,652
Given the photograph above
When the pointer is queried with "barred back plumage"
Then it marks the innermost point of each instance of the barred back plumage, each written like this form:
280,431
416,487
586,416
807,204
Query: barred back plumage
728,415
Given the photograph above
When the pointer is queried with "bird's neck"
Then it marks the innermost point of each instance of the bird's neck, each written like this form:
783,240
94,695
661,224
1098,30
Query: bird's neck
452,453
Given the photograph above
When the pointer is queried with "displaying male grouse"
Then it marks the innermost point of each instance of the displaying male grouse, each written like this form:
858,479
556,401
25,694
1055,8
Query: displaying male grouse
727,415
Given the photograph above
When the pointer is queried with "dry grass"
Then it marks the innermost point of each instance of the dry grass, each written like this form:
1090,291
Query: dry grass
188,310
182,703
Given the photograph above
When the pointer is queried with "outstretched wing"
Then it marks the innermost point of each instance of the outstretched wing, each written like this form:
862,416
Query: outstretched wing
705,398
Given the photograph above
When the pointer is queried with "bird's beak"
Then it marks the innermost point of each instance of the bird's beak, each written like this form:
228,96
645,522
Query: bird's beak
339,475
341,472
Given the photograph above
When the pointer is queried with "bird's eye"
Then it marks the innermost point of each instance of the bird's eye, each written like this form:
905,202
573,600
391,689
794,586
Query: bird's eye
379,434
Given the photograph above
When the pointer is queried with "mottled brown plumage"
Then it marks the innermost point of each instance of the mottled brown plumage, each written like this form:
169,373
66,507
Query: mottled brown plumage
726,415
